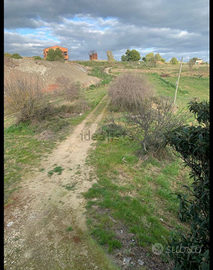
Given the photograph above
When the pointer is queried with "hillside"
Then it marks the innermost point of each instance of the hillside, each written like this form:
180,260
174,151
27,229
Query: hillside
49,71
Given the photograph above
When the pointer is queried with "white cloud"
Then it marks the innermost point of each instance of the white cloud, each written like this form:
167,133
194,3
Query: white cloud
159,26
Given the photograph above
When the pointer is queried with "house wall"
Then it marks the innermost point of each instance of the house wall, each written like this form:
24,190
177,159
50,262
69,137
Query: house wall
199,61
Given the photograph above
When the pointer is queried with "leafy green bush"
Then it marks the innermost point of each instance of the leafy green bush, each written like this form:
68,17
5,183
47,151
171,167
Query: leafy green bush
193,144
16,56
7,54
37,58
174,61
131,55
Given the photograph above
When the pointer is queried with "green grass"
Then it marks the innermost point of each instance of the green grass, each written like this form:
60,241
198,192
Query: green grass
93,96
194,87
99,73
138,194
100,64
22,152
133,194
189,88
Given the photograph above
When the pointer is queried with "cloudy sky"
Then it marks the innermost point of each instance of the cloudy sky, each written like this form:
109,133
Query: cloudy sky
171,28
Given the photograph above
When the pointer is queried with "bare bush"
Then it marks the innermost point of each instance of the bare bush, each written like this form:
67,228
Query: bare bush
129,90
23,96
68,88
165,75
154,118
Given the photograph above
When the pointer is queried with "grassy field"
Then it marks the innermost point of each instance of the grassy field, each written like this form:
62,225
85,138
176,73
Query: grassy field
137,194
189,88
134,194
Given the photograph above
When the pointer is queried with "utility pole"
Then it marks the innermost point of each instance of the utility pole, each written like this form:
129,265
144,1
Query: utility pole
178,80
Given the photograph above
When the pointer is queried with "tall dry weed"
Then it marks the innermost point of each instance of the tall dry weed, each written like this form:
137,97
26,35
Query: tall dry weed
67,88
129,90
23,96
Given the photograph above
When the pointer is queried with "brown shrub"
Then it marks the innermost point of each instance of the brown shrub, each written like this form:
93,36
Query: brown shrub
129,90
23,96
165,75
67,88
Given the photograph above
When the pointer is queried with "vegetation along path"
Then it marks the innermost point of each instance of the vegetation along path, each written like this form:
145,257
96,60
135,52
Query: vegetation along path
46,228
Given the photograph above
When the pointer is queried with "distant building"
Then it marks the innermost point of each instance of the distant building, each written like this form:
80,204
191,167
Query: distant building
93,55
198,61
64,51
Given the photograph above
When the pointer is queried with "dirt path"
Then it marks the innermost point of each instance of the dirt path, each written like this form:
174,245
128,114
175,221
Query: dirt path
46,227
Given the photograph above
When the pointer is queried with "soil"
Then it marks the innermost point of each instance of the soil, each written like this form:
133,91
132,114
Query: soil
49,71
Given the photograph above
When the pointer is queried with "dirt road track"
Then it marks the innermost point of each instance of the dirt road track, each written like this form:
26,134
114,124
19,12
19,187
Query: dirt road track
46,227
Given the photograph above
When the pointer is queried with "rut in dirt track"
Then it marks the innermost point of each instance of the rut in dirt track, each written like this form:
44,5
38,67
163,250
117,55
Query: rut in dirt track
48,227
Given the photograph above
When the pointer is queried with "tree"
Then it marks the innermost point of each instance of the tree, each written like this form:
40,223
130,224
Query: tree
134,55
131,55
193,144
194,59
149,56
159,58
192,62
110,56
54,55
123,58
174,61
144,59
16,56
153,59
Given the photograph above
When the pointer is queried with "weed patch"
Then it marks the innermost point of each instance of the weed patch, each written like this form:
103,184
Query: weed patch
70,187
69,229
57,169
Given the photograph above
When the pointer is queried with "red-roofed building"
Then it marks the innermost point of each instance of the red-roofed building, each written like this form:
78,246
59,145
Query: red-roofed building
64,51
